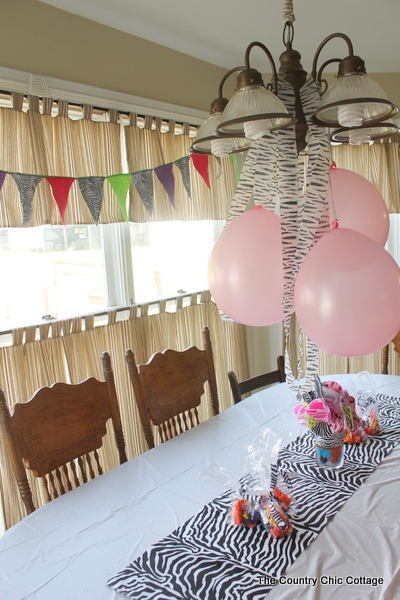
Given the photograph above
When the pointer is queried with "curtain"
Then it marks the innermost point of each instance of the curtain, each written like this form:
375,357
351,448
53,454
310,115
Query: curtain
37,143
53,138
71,350
153,145
379,163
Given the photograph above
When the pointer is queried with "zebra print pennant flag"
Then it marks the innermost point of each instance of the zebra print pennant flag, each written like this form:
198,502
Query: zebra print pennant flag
143,182
120,184
183,166
2,178
92,190
60,187
209,558
26,186
166,177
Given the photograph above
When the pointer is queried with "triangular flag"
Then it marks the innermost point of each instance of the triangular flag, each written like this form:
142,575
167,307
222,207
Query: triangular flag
2,178
120,184
60,187
183,166
166,176
200,162
143,182
92,190
235,166
26,186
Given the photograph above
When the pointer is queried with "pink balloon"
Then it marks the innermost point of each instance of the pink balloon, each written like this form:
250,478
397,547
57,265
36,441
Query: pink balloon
359,205
245,270
347,294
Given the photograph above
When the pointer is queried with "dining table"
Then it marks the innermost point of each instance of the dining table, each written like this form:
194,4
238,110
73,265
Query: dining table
83,544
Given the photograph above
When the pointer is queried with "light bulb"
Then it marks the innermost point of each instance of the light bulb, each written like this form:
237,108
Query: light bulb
359,136
254,130
350,115
221,147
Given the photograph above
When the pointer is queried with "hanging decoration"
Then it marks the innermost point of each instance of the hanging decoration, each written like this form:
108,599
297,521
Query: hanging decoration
60,187
92,187
200,162
26,185
166,177
92,190
143,182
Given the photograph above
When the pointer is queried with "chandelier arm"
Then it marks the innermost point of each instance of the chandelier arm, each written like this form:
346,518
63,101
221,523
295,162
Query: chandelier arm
319,79
225,77
321,46
270,58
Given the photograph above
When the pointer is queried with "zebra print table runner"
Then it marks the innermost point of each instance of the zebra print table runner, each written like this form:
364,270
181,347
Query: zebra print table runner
208,558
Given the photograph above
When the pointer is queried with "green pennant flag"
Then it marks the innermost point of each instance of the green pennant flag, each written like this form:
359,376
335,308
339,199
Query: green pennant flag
120,184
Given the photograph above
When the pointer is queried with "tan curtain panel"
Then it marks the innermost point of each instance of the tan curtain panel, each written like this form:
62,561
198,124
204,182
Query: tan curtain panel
71,350
153,145
379,163
37,143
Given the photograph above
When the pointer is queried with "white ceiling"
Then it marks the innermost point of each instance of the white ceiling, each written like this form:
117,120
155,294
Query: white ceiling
218,31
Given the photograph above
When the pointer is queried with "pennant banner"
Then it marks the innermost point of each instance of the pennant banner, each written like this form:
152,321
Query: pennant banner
200,162
143,182
26,186
2,178
120,184
60,187
183,166
92,190
165,175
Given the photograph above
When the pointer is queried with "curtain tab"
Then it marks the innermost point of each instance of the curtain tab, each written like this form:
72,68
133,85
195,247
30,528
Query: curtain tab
171,126
133,312
33,104
17,101
111,317
87,112
17,336
44,331
186,128
133,119
47,106
89,322
148,122
113,115
62,108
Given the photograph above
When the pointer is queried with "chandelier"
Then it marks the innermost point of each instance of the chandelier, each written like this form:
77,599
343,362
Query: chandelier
293,259
354,110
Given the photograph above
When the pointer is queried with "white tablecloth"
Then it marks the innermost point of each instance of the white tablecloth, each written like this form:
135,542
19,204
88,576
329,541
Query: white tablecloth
69,548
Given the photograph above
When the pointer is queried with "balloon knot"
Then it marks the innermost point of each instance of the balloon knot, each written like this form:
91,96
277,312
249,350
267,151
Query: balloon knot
334,224
333,165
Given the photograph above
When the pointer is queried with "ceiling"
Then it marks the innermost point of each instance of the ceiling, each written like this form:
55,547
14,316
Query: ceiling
218,31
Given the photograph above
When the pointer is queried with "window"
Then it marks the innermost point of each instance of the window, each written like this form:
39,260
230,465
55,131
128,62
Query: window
66,271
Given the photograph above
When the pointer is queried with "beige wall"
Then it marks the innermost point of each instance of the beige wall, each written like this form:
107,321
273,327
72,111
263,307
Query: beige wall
37,38
43,40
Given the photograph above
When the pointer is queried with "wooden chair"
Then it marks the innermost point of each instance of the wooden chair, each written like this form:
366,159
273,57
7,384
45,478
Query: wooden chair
169,387
385,353
254,383
53,433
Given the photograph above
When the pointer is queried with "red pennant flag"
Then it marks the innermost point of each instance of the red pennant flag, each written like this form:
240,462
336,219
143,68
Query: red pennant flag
60,187
200,162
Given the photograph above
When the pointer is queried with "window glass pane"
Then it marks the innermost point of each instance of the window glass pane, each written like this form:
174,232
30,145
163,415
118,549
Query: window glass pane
55,271
171,257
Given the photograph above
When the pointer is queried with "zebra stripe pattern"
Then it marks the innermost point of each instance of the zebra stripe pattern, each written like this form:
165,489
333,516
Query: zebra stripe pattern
26,185
93,193
208,558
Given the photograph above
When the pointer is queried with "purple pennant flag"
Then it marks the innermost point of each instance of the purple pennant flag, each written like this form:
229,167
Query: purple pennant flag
2,178
166,176
26,185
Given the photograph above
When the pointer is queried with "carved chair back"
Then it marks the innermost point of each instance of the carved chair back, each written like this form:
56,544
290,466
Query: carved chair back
58,432
254,383
168,389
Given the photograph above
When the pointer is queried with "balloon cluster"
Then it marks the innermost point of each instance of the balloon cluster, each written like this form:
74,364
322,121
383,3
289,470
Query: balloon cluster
347,290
